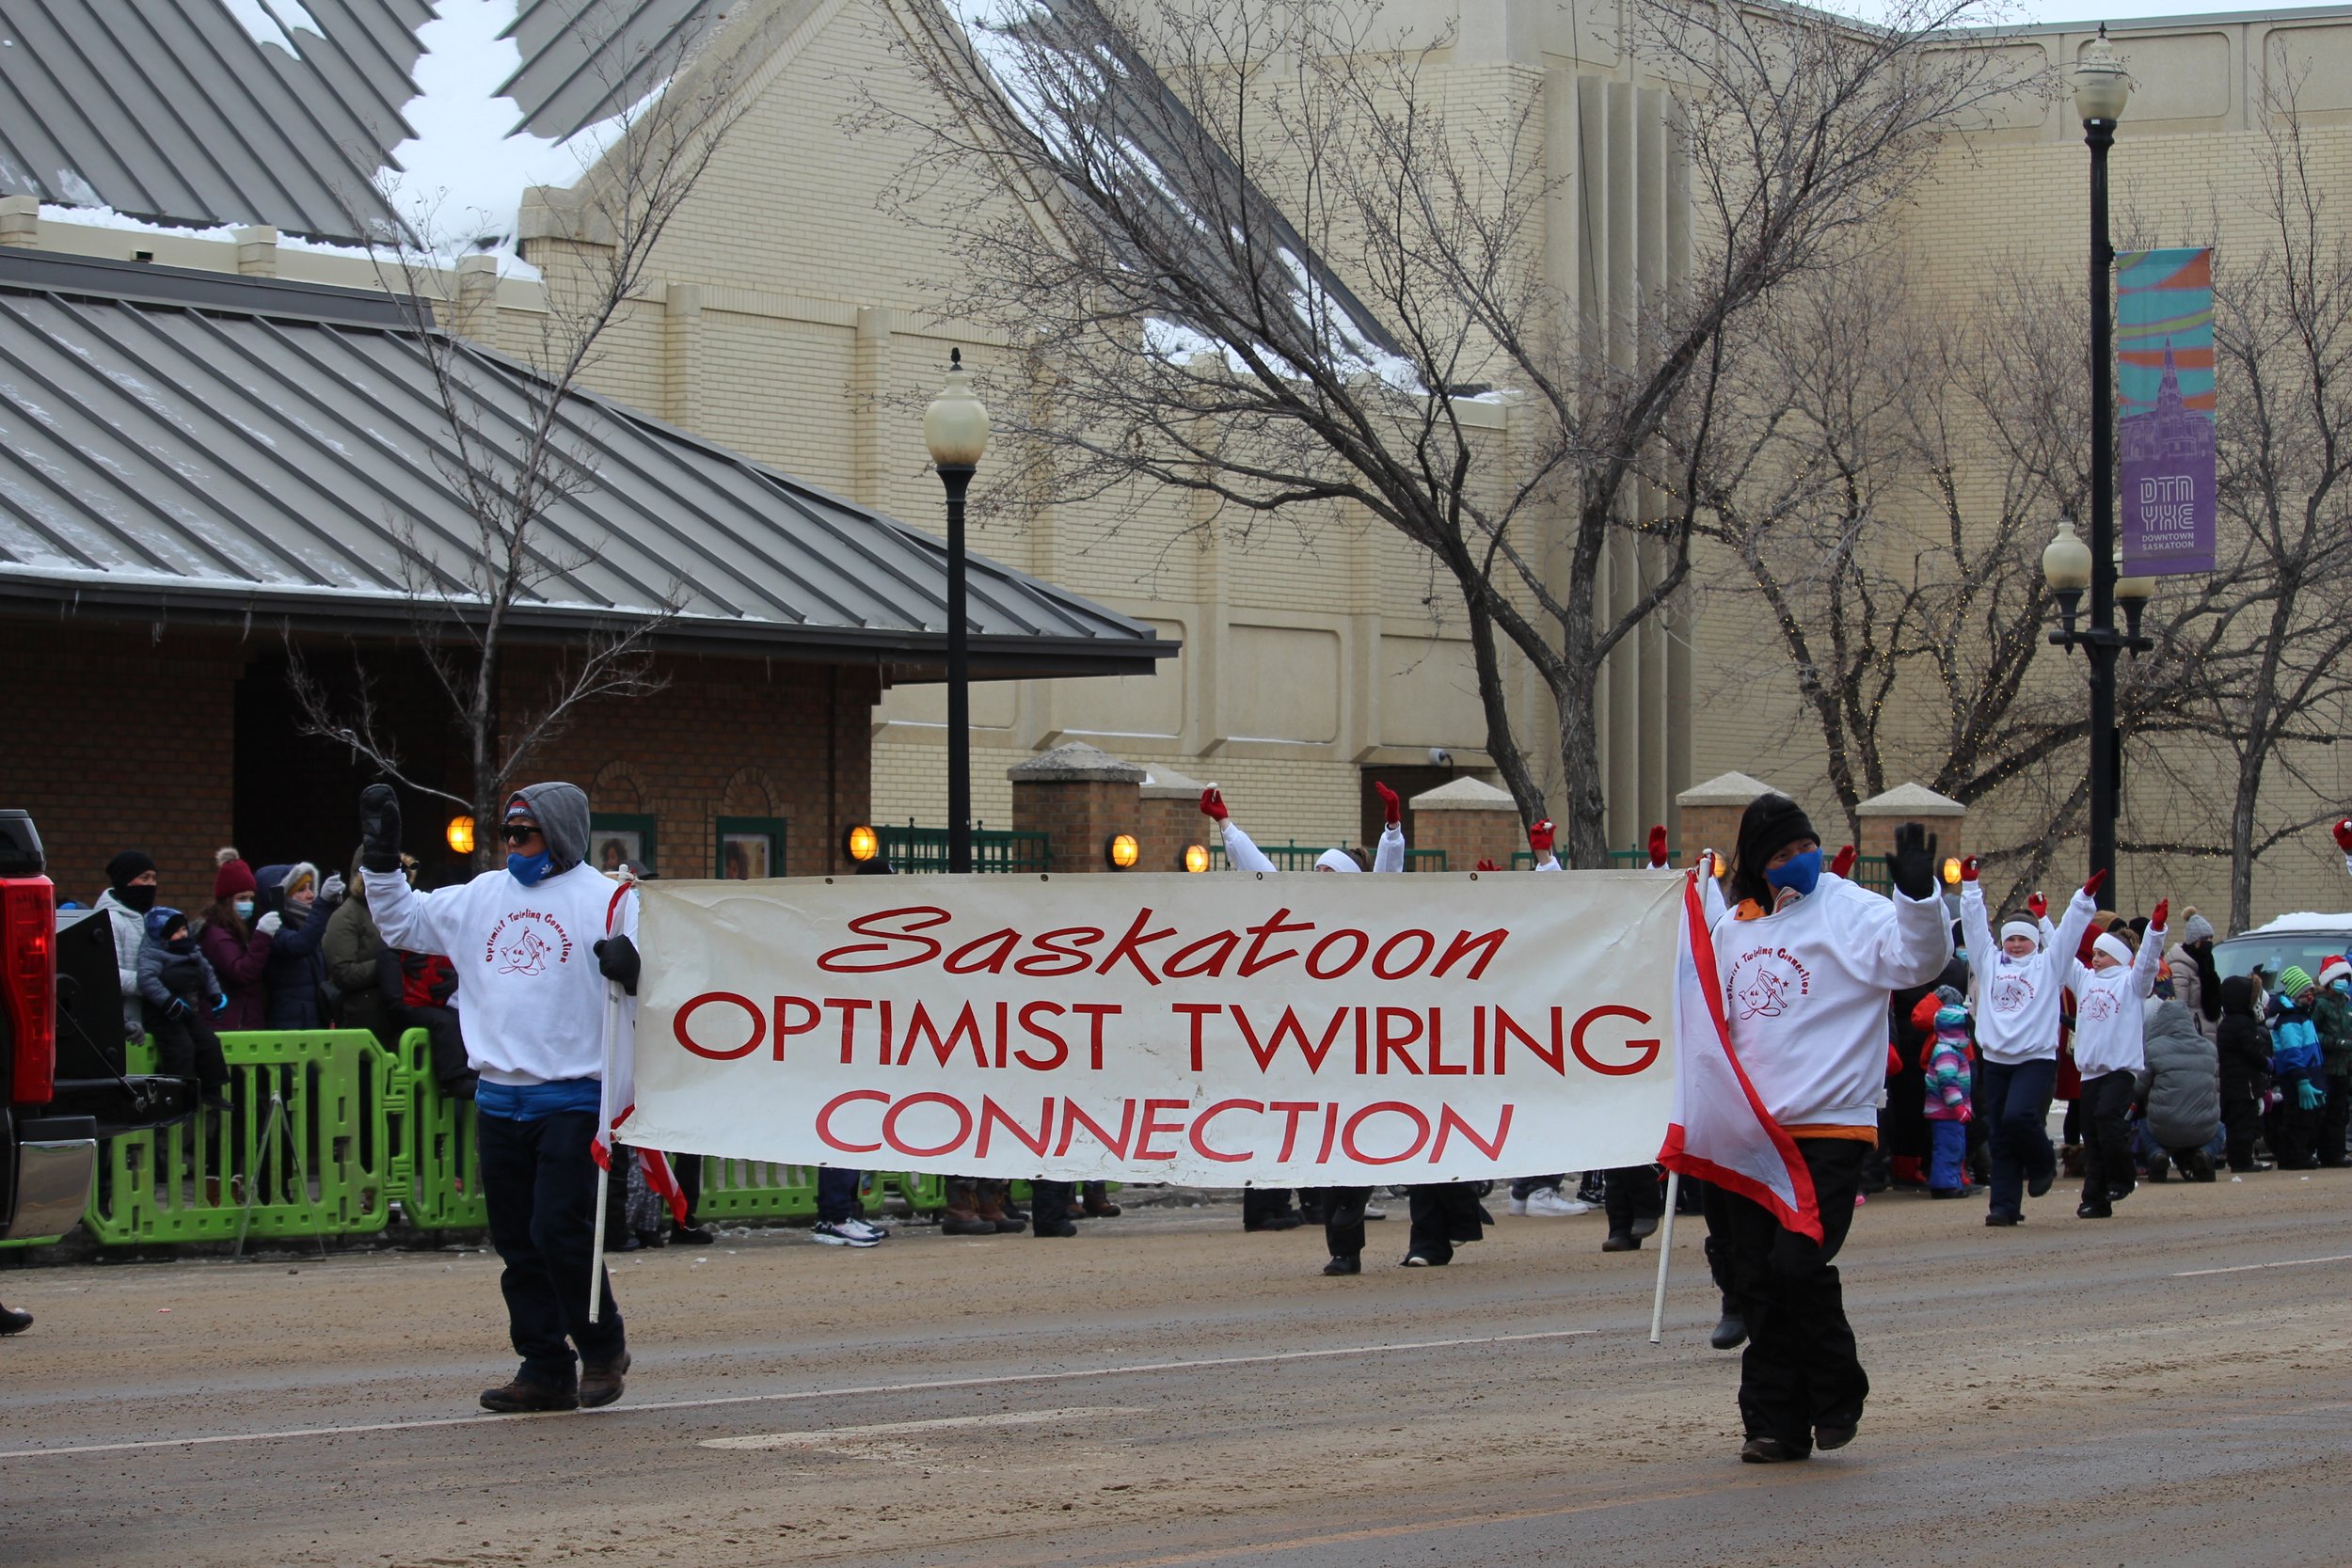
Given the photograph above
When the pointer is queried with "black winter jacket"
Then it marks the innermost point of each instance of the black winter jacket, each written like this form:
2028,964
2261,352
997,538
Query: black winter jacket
2242,1040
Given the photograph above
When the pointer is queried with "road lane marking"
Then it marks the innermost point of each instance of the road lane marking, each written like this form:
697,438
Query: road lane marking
932,1386
830,1435
2282,1263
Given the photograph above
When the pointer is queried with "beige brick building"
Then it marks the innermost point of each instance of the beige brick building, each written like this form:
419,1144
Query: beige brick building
797,322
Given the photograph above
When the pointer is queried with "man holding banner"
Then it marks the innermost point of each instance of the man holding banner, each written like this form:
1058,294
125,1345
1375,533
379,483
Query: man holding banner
528,944
1782,1019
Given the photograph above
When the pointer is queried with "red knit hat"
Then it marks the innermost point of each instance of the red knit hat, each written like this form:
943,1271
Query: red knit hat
235,877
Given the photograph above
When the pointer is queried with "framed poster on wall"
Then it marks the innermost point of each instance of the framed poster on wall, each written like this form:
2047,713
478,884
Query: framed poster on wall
614,837
747,848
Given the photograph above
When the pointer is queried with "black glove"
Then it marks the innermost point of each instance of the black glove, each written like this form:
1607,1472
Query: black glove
617,957
1913,862
379,828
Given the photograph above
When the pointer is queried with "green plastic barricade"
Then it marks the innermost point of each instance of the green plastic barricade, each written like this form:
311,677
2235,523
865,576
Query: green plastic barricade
309,1147
444,1187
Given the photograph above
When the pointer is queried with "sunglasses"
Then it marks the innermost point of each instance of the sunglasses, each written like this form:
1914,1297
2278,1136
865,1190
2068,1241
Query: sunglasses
521,832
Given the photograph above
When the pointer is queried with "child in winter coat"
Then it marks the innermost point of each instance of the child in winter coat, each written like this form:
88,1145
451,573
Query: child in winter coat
180,994
2180,1093
2331,1011
2296,1069
1947,1078
2110,1052
2243,1045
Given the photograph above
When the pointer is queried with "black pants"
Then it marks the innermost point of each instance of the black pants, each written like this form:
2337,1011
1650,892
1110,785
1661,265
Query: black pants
2015,1098
1634,1195
2294,1132
1801,1369
1715,1208
1260,1204
836,1194
189,1048
540,1184
2335,1118
1343,1220
446,1042
1444,1213
1049,1206
2242,1122
2104,1102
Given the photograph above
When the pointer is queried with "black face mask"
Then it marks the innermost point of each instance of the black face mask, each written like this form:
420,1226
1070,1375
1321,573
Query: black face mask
139,896
181,944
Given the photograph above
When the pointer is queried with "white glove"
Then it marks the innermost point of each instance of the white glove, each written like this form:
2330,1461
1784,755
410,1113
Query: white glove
332,888
267,925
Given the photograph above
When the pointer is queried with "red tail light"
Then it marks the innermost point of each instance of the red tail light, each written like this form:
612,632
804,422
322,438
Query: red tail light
28,975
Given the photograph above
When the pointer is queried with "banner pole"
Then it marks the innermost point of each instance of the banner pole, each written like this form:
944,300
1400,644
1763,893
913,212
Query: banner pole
604,1173
1665,1253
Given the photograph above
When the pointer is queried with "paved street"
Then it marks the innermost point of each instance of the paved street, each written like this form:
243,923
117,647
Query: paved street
2165,1388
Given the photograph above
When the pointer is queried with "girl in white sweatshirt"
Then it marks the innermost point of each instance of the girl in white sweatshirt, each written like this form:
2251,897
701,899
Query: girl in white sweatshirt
2109,1053
2013,993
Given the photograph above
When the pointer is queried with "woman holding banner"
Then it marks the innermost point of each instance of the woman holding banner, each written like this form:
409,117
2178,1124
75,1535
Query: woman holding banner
1438,1220
1806,961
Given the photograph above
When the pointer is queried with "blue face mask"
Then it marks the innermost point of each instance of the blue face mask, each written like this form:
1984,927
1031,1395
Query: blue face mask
1799,875
2340,986
530,870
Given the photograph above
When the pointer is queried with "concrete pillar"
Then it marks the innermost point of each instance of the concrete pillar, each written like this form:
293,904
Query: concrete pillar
257,251
476,305
869,373
1169,815
1470,821
681,356
19,221
1881,815
1710,814
1079,798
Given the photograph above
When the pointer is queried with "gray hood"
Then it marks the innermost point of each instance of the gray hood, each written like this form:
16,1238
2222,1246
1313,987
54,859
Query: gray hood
561,809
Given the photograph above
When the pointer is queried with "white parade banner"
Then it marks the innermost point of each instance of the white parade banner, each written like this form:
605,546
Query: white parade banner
1303,1030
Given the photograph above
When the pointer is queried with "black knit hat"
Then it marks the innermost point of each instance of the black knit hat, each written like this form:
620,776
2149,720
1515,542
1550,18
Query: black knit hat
130,863
1769,825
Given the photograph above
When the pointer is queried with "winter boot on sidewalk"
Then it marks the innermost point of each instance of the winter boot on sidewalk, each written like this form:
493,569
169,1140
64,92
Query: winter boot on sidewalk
962,1215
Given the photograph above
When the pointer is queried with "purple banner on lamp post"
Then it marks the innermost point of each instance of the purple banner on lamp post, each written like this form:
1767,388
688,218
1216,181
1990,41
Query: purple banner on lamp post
2163,378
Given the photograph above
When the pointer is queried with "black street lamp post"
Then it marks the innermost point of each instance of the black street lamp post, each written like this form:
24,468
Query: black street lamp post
955,427
2069,565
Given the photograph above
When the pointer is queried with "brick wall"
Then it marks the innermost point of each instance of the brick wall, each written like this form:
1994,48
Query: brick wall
114,739
1080,815
1469,836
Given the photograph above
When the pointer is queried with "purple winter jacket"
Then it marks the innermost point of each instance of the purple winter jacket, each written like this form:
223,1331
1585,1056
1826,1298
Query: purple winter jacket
240,971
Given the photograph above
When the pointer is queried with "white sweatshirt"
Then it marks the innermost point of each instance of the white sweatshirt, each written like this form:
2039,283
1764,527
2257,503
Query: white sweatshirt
535,1000
2109,1021
2015,1001
1807,990
1240,854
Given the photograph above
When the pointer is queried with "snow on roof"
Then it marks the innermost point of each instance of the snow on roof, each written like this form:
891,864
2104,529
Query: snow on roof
267,20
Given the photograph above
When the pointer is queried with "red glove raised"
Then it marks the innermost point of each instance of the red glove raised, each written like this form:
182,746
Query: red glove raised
2343,834
2038,907
2155,916
1843,862
1968,868
1213,804
2096,880
1539,837
1657,846
1391,808
1484,864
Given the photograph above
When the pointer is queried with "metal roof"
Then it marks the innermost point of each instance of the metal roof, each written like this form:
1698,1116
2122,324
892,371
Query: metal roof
176,112
170,448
